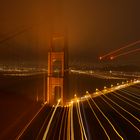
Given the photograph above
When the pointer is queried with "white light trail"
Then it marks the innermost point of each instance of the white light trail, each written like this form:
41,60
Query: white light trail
48,127
120,114
122,108
130,94
127,98
107,119
84,132
62,123
72,129
79,120
125,102
68,125
98,120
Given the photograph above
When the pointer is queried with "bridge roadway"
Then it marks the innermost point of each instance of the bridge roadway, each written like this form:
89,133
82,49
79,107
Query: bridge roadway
112,116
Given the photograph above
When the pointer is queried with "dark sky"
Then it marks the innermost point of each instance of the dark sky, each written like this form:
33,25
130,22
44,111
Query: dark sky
94,27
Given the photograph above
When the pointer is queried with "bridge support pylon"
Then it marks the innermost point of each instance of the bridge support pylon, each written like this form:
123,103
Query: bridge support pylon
57,65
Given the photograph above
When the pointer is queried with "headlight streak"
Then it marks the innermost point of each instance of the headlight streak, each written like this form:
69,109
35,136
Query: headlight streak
56,124
68,124
87,96
48,126
64,112
122,108
44,123
67,120
86,123
127,99
81,130
120,114
65,124
106,119
98,120
72,128
84,132
130,94
108,90
104,93
126,102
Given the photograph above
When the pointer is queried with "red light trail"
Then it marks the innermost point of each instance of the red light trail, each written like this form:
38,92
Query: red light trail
112,53
125,53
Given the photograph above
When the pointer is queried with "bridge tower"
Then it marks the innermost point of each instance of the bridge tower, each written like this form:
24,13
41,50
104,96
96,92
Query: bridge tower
57,82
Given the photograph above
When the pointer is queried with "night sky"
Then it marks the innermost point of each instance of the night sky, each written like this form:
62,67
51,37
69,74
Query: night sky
93,28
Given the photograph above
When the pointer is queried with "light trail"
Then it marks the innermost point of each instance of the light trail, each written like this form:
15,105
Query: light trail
72,128
68,121
25,128
56,124
44,123
120,114
68,124
98,120
101,75
126,102
108,90
127,99
82,122
65,124
81,130
59,138
107,119
122,108
48,126
86,123
125,53
122,48
130,94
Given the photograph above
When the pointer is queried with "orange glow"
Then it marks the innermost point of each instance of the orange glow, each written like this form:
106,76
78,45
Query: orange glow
100,58
112,57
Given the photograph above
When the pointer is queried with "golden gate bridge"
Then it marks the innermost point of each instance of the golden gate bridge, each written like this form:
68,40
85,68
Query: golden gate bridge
111,113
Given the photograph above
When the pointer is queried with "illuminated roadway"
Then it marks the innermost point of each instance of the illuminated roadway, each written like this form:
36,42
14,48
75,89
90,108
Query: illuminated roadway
113,113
